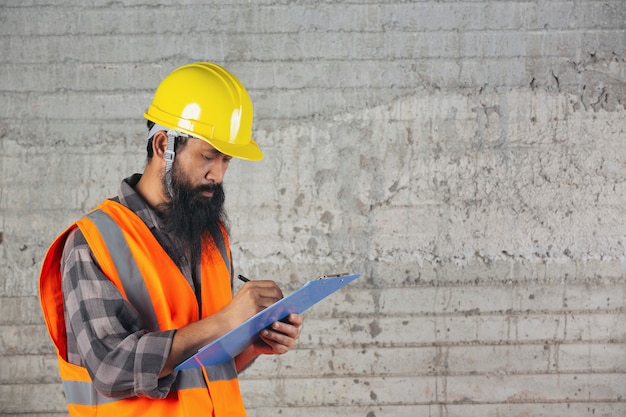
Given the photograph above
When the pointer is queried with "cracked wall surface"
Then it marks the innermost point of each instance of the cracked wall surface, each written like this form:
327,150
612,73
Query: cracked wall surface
467,158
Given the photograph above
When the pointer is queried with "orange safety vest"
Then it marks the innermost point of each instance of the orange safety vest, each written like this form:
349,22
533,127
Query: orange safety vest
112,232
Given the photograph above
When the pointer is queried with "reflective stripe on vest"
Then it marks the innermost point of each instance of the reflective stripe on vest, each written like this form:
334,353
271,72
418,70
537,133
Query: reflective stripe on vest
134,285
82,393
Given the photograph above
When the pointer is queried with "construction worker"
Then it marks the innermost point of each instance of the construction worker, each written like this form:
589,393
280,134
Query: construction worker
146,279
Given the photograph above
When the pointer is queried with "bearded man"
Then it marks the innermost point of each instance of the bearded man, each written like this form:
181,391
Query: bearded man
145,279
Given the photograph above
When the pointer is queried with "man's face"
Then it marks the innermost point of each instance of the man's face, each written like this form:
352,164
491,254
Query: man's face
197,203
201,163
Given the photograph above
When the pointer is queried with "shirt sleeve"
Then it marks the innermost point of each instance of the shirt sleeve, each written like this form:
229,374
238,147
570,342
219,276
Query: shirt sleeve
105,333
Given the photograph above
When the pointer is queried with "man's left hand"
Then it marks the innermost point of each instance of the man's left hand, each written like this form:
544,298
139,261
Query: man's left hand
280,337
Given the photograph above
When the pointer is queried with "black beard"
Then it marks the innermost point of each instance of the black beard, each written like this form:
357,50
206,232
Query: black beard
188,216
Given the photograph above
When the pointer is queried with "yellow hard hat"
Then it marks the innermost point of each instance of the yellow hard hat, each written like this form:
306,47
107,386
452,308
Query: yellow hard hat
206,101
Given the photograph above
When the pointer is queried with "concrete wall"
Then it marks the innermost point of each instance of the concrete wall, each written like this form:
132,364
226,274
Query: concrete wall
467,157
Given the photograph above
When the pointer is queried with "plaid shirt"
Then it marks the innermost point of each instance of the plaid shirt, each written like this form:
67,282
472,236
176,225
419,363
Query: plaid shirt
103,329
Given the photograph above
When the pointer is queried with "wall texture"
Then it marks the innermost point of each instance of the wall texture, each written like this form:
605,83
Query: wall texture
467,157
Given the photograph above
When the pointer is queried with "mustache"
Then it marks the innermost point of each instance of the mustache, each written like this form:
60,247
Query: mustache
211,187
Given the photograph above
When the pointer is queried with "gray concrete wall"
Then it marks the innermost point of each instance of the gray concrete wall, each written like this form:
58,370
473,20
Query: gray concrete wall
467,157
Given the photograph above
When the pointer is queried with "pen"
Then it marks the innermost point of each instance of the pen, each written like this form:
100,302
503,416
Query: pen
244,279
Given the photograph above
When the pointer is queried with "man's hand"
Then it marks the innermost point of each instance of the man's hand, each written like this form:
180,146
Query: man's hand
280,337
252,297
277,339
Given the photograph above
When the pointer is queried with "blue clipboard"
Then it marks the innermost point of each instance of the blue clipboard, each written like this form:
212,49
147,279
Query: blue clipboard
237,340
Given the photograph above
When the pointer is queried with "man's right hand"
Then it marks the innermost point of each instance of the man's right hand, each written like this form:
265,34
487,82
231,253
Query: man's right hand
253,297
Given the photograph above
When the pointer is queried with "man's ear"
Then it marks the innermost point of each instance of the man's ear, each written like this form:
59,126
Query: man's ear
159,144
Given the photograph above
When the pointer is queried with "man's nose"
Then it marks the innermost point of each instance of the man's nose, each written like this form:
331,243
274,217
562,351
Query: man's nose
217,171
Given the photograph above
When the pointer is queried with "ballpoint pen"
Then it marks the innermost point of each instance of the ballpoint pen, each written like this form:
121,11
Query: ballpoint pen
242,278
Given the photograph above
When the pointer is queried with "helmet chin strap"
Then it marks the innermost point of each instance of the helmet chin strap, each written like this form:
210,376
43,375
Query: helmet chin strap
169,160
169,154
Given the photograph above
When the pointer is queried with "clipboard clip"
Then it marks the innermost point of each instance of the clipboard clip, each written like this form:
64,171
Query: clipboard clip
344,274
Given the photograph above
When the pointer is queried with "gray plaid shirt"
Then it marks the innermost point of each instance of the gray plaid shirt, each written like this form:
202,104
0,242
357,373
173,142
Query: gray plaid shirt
103,329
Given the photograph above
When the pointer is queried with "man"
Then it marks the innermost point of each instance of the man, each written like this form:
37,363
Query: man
144,280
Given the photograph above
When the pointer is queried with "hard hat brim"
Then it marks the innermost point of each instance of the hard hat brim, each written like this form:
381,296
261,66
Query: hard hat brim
249,151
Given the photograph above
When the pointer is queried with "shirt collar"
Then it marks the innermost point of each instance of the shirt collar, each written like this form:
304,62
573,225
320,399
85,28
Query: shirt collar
131,199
